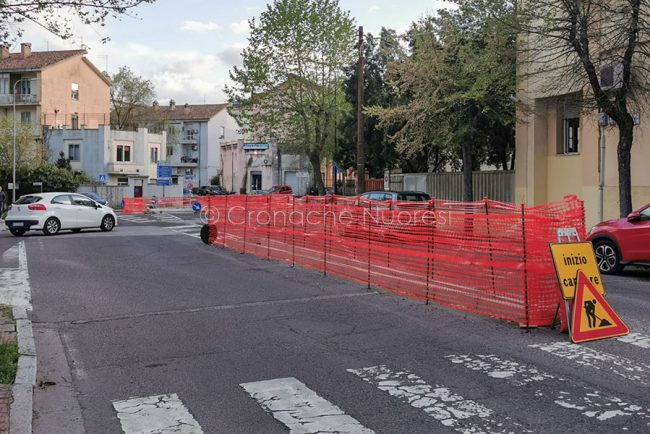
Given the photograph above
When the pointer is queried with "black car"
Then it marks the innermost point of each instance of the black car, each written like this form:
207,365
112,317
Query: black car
212,190
411,196
97,198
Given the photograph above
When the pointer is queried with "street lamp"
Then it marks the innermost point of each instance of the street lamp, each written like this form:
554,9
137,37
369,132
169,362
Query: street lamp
13,190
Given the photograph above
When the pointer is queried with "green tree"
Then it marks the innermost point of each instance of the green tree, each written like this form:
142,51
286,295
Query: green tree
28,150
62,162
568,43
129,92
54,178
458,82
288,89
55,15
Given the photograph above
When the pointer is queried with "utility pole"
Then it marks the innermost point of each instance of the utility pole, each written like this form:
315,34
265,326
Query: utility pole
361,155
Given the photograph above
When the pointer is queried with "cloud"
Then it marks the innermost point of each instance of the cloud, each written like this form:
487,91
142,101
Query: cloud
374,9
240,27
231,55
200,27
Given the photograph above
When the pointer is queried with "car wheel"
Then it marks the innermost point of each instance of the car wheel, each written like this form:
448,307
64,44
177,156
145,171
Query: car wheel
205,234
18,232
77,230
108,223
607,257
51,226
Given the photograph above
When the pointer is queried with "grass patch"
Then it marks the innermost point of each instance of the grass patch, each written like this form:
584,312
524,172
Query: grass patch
7,312
8,362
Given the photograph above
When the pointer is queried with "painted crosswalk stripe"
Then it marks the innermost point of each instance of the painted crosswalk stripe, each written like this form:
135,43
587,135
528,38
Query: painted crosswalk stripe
636,339
439,402
300,408
568,394
598,360
156,414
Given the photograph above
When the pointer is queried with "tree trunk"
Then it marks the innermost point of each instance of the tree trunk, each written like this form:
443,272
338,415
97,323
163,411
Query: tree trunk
512,157
625,137
468,192
314,159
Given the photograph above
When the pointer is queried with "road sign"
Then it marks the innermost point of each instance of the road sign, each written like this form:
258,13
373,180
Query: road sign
593,317
163,181
10,186
196,207
101,177
37,184
164,171
571,257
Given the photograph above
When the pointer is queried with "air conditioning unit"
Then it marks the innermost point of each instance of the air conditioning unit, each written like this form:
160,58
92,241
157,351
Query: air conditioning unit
611,76
195,147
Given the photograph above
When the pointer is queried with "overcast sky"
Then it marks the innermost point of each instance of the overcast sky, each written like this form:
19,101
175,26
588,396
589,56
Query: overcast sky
187,47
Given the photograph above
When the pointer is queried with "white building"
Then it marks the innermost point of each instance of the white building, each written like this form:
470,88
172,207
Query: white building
194,135
124,158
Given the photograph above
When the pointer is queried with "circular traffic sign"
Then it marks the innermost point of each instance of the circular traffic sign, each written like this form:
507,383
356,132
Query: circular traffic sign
196,207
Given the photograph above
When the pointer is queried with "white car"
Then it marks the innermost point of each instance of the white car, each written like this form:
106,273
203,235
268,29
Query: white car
52,212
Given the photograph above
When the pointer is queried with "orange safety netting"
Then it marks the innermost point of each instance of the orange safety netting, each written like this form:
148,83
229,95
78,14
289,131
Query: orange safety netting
486,257
134,205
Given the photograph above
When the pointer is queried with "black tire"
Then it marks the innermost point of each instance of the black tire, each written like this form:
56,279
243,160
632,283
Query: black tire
77,230
108,223
17,232
52,226
607,257
205,234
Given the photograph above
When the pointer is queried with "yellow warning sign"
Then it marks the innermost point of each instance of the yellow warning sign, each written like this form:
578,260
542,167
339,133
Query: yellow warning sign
571,257
593,317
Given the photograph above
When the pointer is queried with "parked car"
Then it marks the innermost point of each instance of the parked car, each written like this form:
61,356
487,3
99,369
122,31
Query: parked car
97,198
622,241
411,196
212,190
52,212
281,189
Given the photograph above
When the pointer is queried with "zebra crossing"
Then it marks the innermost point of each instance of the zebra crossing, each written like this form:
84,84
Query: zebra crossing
301,409
150,218
192,230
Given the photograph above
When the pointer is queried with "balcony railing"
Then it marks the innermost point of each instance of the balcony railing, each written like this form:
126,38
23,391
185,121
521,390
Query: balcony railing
21,98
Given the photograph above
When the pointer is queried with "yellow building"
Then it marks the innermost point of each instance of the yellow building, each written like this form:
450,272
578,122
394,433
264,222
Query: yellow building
559,149
59,89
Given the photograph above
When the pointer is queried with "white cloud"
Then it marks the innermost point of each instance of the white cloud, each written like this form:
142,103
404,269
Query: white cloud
374,9
240,27
200,27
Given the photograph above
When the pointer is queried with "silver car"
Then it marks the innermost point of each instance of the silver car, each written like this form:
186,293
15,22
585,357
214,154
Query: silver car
52,212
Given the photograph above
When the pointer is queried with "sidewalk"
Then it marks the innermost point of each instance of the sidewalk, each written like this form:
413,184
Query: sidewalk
8,330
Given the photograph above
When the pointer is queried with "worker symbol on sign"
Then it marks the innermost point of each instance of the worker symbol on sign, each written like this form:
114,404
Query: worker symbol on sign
590,310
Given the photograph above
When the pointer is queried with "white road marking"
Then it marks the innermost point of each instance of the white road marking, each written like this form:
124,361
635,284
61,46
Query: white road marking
636,339
598,360
14,282
159,414
300,408
439,402
589,402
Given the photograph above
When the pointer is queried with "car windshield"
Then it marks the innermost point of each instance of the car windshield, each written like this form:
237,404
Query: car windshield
26,200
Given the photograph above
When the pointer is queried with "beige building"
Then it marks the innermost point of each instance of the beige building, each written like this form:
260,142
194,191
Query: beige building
58,89
562,150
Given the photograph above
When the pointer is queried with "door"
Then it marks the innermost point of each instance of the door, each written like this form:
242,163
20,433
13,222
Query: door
256,181
634,238
88,215
290,178
66,212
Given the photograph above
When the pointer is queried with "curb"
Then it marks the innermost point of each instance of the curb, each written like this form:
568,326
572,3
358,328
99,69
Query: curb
20,413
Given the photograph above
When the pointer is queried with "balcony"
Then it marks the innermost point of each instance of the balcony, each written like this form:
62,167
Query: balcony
126,169
190,138
21,98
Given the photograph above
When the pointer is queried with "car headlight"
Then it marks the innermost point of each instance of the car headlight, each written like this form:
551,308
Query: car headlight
592,229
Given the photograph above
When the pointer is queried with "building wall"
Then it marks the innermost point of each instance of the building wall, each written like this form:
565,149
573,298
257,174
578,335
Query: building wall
57,105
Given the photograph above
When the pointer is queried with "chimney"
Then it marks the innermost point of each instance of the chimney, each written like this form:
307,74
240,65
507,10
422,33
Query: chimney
186,108
4,52
172,105
26,49
155,105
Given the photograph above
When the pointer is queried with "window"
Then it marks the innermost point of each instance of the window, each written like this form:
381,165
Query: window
122,180
170,151
75,91
64,199
73,152
174,180
123,153
26,117
4,84
222,133
571,135
75,122
154,154
82,201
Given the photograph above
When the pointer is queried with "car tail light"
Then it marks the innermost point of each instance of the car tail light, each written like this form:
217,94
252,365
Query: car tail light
36,207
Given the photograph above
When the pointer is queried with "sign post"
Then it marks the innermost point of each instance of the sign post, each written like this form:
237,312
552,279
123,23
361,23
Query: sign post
38,184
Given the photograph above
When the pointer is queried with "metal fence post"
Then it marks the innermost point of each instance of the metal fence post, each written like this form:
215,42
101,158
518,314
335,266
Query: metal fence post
487,223
245,222
523,231
370,212
226,216
293,231
268,230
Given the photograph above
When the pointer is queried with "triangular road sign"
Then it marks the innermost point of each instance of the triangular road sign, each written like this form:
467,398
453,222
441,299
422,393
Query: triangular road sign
592,317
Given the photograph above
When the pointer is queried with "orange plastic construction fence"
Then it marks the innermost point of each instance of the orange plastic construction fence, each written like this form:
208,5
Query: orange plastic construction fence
486,257
134,205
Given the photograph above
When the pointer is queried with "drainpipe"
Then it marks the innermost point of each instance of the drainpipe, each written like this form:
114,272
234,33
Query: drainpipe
601,173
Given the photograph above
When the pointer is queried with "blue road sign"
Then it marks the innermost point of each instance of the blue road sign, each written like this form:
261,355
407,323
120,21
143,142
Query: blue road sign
164,171
164,181
196,207
101,177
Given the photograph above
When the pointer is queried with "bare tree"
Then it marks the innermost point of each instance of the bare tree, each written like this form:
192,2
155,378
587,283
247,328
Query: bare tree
54,15
598,50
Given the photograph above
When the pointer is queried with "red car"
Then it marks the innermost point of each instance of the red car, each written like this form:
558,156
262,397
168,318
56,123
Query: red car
281,189
618,242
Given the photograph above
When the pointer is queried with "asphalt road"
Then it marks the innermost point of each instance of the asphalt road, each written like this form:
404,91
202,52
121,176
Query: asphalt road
223,340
